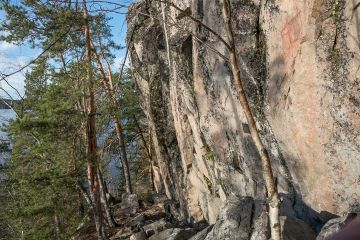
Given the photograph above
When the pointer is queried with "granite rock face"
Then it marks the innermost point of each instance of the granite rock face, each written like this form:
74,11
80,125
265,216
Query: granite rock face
299,62
313,97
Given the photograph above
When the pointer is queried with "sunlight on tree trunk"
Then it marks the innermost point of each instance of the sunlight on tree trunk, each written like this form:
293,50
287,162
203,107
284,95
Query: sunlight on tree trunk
109,217
94,187
108,85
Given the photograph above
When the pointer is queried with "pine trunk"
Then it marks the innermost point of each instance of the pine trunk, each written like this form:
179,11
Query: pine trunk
94,187
57,225
108,84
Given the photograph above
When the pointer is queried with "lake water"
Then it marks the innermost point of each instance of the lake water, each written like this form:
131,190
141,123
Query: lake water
5,116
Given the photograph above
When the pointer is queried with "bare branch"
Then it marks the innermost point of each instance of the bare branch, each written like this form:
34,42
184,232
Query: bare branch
199,40
3,78
35,59
126,55
186,14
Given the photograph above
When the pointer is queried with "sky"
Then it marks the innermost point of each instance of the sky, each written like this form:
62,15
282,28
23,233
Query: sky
13,57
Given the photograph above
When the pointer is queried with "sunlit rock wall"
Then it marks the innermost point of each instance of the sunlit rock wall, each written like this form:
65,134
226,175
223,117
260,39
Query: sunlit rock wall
299,63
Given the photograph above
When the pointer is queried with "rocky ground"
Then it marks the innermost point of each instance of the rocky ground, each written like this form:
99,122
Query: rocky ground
239,219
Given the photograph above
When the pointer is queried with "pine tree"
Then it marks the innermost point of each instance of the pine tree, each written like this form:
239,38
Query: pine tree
45,165
136,133
55,28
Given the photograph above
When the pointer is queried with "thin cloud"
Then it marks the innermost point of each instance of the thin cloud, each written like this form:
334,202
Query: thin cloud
8,65
5,46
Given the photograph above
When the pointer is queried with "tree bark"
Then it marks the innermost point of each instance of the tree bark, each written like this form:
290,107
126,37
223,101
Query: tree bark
148,152
109,217
265,160
94,187
57,225
85,194
162,6
108,84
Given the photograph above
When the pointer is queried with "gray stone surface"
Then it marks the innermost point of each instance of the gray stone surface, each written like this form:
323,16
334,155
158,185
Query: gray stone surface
238,220
202,234
137,221
138,236
159,198
173,234
156,227
295,229
129,201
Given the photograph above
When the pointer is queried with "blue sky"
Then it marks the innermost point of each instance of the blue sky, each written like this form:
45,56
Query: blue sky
13,57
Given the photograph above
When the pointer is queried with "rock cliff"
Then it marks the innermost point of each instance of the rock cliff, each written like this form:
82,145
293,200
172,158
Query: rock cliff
300,66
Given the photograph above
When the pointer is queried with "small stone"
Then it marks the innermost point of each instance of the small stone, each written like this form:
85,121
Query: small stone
137,221
159,198
156,227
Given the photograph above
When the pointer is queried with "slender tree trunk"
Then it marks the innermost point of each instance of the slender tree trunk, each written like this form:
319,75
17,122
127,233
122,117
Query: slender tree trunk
119,132
94,187
123,155
267,171
148,154
108,214
57,225
108,84
151,167
85,194
152,174
147,150
84,215
162,6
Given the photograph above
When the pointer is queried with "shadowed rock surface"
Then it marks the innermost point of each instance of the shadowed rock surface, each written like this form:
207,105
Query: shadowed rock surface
345,227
